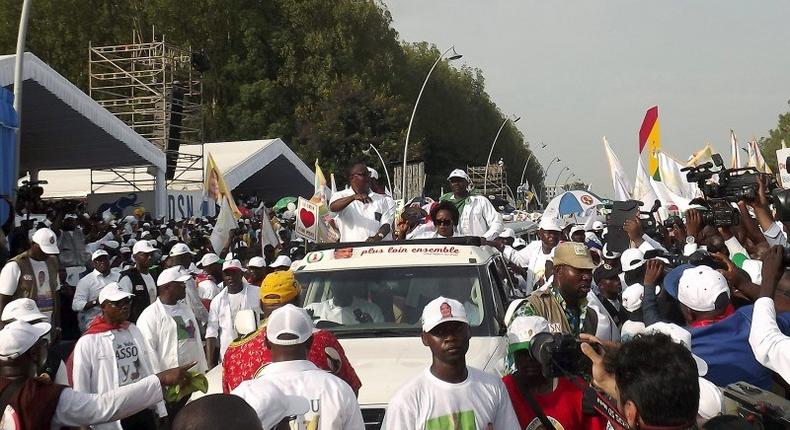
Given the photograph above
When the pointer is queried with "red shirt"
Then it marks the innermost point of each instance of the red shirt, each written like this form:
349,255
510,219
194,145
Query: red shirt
563,407
245,358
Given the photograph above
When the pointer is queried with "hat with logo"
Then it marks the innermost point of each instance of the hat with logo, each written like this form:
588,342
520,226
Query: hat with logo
279,287
573,254
232,265
632,297
522,330
671,281
143,247
441,310
290,321
113,293
172,274
281,261
549,223
179,249
209,259
23,309
98,254
46,240
631,259
19,336
605,271
256,262
699,288
681,336
459,173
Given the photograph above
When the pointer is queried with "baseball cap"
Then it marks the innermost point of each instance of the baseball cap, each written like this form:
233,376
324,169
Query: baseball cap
113,293
700,287
279,287
681,336
459,173
19,336
46,240
549,223
179,249
256,262
281,261
609,254
209,259
672,279
519,243
632,297
99,253
172,274
574,229
289,320
23,310
605,271
373,173
507,232
573,254
597,226
143,247
232,265
632,258
441,310
522,330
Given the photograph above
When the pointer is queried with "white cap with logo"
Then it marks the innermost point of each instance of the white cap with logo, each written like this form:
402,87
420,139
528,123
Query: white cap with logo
209,259
46,240
281,261
632,258
292,321
549,223
441,310
23,309
99,253
142,247
459,173
18,337
232,264
256,262
179,249
172,274
699,288
113,292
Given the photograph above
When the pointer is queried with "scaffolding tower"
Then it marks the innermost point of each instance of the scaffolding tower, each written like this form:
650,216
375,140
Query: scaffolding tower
155,88
497,179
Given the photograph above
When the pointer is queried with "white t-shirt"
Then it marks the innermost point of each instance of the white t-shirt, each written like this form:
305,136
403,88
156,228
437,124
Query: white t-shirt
150,285
189,343
358,221
127,357
346,315
9,279
534,260
236,302
428,403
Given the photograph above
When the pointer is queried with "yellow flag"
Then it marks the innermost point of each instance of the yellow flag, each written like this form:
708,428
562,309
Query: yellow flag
215,187
701,157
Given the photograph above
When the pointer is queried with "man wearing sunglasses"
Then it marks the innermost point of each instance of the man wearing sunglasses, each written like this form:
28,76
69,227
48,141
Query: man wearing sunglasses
478,217
361,214
112,353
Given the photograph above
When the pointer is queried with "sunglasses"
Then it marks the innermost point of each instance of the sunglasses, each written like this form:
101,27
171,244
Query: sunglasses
121,303
443,222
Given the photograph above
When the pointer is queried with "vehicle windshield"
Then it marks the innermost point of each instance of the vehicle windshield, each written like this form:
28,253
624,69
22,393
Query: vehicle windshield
389,301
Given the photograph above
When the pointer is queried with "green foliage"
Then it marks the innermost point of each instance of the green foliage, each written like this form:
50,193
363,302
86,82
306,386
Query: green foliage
576,185
328,77
769,144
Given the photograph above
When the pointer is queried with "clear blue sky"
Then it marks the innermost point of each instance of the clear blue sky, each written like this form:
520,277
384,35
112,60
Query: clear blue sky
579,70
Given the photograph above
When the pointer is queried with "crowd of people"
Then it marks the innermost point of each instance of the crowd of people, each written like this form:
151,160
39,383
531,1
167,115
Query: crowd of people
103,317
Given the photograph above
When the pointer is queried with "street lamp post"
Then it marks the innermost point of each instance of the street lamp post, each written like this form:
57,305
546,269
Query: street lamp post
383,164
531,155
546,174
558,178
565,182
491,151
455,56
18,77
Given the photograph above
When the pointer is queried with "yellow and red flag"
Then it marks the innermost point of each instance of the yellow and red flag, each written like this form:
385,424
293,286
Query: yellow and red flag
650,137
215,187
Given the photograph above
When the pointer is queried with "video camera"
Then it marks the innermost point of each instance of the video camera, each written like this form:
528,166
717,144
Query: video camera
700,257
619,213
559,355
764,409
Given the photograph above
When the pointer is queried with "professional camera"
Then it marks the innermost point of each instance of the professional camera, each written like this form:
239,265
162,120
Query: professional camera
700,257
672,221
720,213
763,408
559,355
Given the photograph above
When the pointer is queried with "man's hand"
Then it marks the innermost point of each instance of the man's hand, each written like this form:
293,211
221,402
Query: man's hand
679,233
364,198
601,378
653,270
694,223
176,375
761,199
634,229
734,277
375,238
773,269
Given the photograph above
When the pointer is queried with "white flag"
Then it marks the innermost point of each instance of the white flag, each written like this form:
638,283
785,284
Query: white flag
674,179
224,224
620,182
643,189
268,235
735,158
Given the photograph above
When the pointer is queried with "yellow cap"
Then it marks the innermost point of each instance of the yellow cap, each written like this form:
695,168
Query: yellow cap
573,254
279,287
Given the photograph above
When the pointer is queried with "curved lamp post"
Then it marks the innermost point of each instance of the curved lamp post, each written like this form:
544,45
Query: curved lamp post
546,172
19,62
452,57
567,179
558,178
531,155
383,164
491,151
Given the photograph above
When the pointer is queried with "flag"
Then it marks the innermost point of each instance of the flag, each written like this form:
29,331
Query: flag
268,235
756,158
334,185
735,157
622,186
702,156
216,189
222,227
667,197
650,136
320,188
674,179
643,189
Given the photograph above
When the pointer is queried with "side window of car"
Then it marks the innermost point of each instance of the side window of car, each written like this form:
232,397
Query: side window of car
500,298
508,285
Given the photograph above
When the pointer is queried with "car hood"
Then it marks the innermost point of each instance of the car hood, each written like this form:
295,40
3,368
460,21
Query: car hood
386,364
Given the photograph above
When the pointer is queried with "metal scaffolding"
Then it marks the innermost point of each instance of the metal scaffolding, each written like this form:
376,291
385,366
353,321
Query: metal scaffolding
497,179
154,88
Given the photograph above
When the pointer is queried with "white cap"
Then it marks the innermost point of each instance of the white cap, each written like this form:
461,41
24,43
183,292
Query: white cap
522,329
632,258
281,261
519,243
46,240
373,173
550,223
459,173
172,274
711,401
256,262
441,310
145,234
99,253
507,232
18,337
232,264
113,293
143,247
574,229
125,250
208,259
700,286
681,336
179,249
609,255
632,297
278,405
597,225
289,320
23,310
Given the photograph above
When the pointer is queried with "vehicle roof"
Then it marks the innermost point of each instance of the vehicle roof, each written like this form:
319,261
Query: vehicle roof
395,254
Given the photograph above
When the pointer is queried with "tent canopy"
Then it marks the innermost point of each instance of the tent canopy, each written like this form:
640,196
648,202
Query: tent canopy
63,128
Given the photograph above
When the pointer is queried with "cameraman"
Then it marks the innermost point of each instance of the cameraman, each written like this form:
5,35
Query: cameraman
652,379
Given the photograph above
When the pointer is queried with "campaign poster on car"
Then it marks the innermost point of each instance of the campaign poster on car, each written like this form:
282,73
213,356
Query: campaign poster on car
307,220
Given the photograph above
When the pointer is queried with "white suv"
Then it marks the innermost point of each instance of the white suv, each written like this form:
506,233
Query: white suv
393,282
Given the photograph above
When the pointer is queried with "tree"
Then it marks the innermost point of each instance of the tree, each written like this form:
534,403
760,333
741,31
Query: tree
769,144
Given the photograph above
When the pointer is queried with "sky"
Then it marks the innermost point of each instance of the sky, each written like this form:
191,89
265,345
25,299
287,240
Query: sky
576,71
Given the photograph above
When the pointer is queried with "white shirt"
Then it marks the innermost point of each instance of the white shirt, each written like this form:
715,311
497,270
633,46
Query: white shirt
172,342
98,367
207,289
88,290
426,402
150,285
333,404
771,347
607,329
480,219
9,280
327,310
222,313
775,235
358,221
532,258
